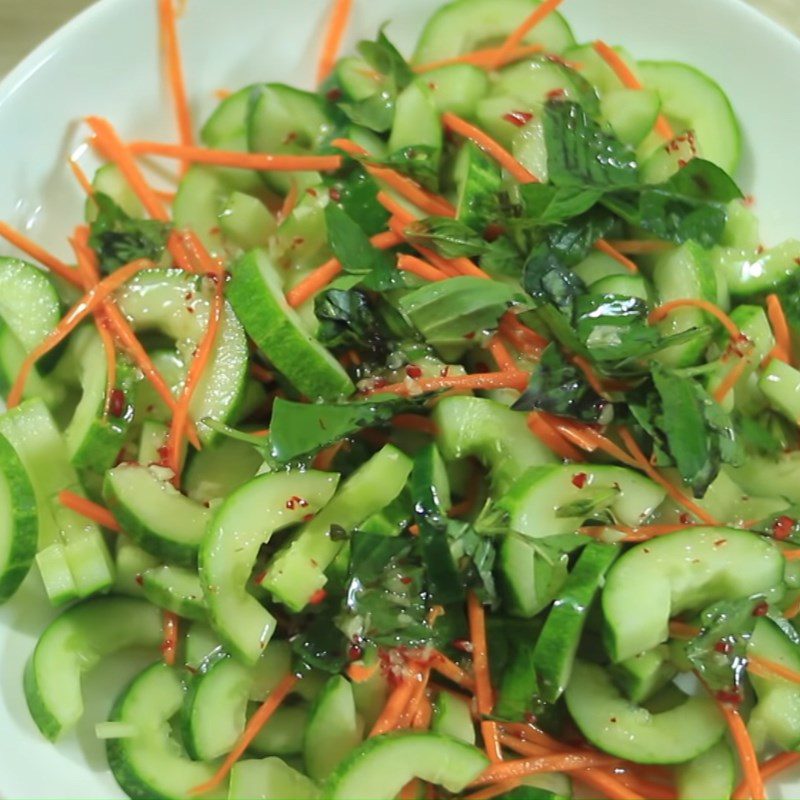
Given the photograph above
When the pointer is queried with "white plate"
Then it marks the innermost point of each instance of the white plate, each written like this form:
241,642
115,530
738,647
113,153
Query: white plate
106,62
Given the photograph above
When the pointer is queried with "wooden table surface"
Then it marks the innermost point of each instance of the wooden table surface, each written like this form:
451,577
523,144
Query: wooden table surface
24,23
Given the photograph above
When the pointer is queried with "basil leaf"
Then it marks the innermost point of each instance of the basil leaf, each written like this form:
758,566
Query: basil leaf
503,257
356,194
348,318
546,204
321,645
418,162
375,112
385,58
448,237
519,686
371,554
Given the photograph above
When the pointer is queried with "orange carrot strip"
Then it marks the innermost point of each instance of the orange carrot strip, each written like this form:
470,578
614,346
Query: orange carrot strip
766,668
85,306
395,705
261,373
639,247
169,646
397,227
588,439
606,247
783,336
682,630
731,379
793,610
415,422
256,723
558,762
610,785
289,202
415,703
544,431
420,268
86,508
641,534
411,790
516,37
526,341
769,769
333,38
591,376
483,679
494,791
492,148
81,177
504,360
646,788
488,380
658,314
489,58
747,755
359,673
56,265
791,555
630,81
450,670
646,467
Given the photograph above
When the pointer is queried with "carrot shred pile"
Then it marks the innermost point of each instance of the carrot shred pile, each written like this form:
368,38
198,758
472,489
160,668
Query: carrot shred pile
422,269
487,380
489,58
516,37
541,427
337,26
744,747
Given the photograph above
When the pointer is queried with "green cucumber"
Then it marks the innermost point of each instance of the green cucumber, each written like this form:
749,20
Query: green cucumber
218,471
298,569
148,403
597,70
416,121
334,729
749,273
549,501
269,779
151,763
284,733
175,589
246,221
152,440
644,674
256,294
685,571
631,113
777,476
629,731
479,180
357,79
201,648
711,774
245,521
452,716
558,643
625,285
301,242
197,206
131,562
12,357
661,164
467,25
110,181
529,147
780,385
72,645
154,514
383,765
598,266
457,88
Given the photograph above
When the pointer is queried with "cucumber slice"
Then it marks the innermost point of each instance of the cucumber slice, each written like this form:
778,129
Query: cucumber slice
198,204
357,79
776,477
457,88
334,729
597,266
711,774
269,779
245,521
201,648
534,81
152,764
246,221
298,568
498,437
776,717
148,403
301,241
452,716
175,589
645,674
479,180
625,285
154,514
12,357
131,563
539,501
218,471
780,385
631,113
256,294
283,735
557,646
152,439
466,25
73,644
691,97
629,731
370,697
18,521
657,580
529,147
663,162
596,69
178,305
416,120
493,117
285,120
110,181
747,273
382,766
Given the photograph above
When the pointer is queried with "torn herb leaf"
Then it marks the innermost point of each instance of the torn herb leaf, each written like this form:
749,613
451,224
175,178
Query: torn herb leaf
355,193
386,59
419,162
347,318
448,237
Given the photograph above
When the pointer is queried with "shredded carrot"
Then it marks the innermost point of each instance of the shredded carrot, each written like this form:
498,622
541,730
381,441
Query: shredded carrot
641,534
630,81
783,336
489,58
360,673
588,439
256,723
411,790
395,705
86,508
289,202
640,247
416,700
450,670
81,177
731,379
324,459
492,148
766,668
333,38
557,762
526,341
222,93
610,785
55,265
644,464
606,247
591,376
791,555
494,791
793,610
487,380
420,268
529,734
769,769
261,373
483,679
641,785
516,37
545,432
169,646
658,314
398,228
504,360
415,422
682,630
744,746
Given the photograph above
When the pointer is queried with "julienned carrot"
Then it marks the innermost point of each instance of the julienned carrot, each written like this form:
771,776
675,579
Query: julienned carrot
744,747
791,555
487,380
731,379
410,791
658,314
450,670
406,718
81,177
793,610
780,327
630,81
640,247
289,202
504,360
766,668
262,162
769,769
483,679
359,673
85,306
494,791
395,705
489,58
169,646
174,63
398,227
256,723
333,38
56,265
682,630
492,148
415,422
606,247
557,762
516,37
420,268
525,340
644,464
324,274
86,508
610,785
547,434
641,534
588,439
591,376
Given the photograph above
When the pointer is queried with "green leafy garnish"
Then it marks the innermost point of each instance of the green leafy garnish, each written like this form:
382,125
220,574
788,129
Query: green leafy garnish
448,237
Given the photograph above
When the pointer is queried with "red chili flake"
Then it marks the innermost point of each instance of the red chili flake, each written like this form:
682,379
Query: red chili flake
296,502
556,94
797,261
518,118
355,652
720,542
334,95
732,697
317,597
413,371
335,194
190,309
579,480
163,453
465,645
405,580
188,296
379,383
783,527
290,137
470,335
298,241
685,519
682,162
140,580
259,577
749,200
761,609
481,367
311,192
761,249
723,647
216,230
444,372
116,403
308,517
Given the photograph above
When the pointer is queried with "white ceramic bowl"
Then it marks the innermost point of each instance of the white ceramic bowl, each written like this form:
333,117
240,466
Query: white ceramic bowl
106,62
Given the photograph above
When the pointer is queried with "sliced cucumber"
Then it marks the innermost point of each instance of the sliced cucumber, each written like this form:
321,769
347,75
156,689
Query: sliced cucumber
284,732
542,501
382,766
245,521
479,181
667,159
12,357
110,181
152,440
416,121
641,676
629,731
73,644
256,293
747,273
631,113
246,221
596,69
201,648
657,580
529,147
198,204
598,266
269,779
301,241
218,471
780,385
131,563
466,25
625,285
764,476
711,774
154,514
457,88
152,764
298,569
357,79
178,305
452,716
175,589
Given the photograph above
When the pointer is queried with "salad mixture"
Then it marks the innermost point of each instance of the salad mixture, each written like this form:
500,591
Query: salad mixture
437,435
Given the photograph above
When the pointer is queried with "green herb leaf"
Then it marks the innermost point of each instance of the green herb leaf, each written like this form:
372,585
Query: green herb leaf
448,237
375,112
355,193
347,318
546,204
371,554
385,58
418,162
321,645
